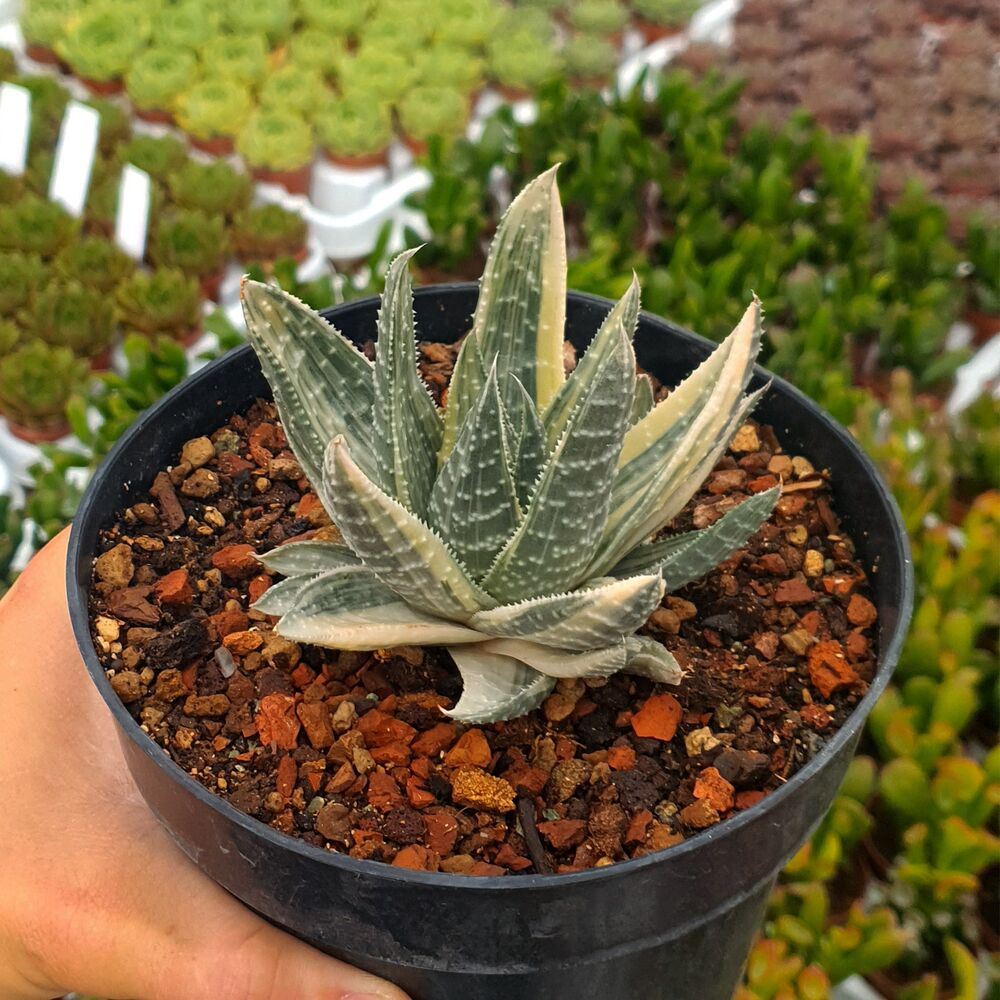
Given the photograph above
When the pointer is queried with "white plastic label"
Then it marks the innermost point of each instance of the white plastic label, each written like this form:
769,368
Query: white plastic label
132,218
74,157
15,127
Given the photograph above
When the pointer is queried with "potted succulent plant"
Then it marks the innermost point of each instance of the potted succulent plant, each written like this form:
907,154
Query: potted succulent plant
590,60
11,188
606,18
11,336
657,19
48,105
982,247
156,79
355,133
381,73
295,89
277,146
428,111
36,226
66,314
467,24
215,188
312,50
162,302
452,66
21,275
115,128
264,233
95,263
185,25
435,672
270,18
42,23
36,383
521,63
212,113
99,45
335,18
240,58
194,243
160,156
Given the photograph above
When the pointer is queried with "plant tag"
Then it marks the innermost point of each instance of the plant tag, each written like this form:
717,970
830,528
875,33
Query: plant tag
15,127
132,217
74,157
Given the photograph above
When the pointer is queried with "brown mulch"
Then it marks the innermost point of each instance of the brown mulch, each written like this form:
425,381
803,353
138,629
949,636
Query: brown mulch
350,750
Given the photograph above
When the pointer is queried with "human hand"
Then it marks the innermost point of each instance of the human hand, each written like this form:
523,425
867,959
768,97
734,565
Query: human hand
94,896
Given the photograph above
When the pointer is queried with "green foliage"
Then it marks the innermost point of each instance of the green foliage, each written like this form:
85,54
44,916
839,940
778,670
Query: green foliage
271,18
156,79
314,51
95,263
670,13
296,89
36,226
982,250
67,314
164,301
598,17
187,24
589,58
213,188
214,108
160,156
99,43
43,22
240,58
774,974
267,232
276,140
353,128
56,490
20,277
36,382
14,533
428,111
192,242
522,60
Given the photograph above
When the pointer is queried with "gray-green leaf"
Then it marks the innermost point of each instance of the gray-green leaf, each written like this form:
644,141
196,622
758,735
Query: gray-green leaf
495,686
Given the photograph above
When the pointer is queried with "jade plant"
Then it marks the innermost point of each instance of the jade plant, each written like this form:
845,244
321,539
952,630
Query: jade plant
240,58
21,275
157,78
267,232
214,188
515,527
433,111
36,226
295,89
276,140
214,108
36,383
99,44
66,314
164,301
354,129
95,263
191,241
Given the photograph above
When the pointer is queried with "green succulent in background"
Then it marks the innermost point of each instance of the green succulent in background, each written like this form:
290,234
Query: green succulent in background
48,105
8,64
14,533
11,188
164,301
354,128
160,156
36,226
100,44
511,528
276,140
378,74
11,336
982,250
312,50
94,263
115,128
38,172
43,22
267,232
54,493
977,452
452,67
589,58
670,13
190,241
214,108
522,62
598,17
215,188
270,18
156,79
36,382
337,18
185,25
466,23
774,974
295,89
21,275
239,58
70,315
428,111
548,6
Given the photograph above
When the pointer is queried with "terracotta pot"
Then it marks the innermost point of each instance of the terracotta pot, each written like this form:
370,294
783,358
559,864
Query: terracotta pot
154,117
218,145
101,362
984,325
40,54
652,33
514,94
38,435
358,162
293,181
211,284
103,88
416,146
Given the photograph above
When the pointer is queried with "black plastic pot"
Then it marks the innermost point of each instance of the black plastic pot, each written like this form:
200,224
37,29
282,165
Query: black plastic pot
674,925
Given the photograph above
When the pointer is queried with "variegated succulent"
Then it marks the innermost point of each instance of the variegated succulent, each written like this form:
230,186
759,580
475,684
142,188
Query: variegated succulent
517,525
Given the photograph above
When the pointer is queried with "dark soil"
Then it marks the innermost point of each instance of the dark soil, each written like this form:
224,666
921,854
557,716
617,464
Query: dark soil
350,751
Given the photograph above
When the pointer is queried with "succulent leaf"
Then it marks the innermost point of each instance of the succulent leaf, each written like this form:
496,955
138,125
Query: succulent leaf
562,526
283,596
495,686
649,658
581,619
643,401
322,383
560,663
474,501
686,557
466,383
294,558
529,445
399,548
623,317
521,313
406,423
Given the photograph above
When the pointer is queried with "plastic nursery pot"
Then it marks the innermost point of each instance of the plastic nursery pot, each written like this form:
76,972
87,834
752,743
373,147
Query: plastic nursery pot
677,924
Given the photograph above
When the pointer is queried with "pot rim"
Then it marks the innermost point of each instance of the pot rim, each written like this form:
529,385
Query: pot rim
887,657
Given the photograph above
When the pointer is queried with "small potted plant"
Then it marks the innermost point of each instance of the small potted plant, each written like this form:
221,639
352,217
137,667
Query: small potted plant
335,18
313,51
212,113
657,19
295,89
240,58
115,128
278,149
520,64
48,105
428,111
11,337
12,188
382,73
606,18
270,18
99,46
590,60
36,383
452,66
355,133
21,275
159,156
264,233
215,188
66,314
101,209
194,243
187,25
38,172
8,65
982,248
163,302
42,23
467,24
36,226
156,79
95,263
